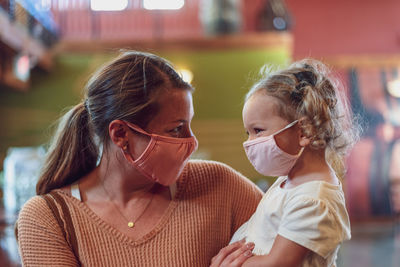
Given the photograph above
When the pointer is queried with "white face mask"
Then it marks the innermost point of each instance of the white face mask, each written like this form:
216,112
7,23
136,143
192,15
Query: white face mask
267,158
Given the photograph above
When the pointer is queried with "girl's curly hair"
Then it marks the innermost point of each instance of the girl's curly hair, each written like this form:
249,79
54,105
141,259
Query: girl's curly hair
307,91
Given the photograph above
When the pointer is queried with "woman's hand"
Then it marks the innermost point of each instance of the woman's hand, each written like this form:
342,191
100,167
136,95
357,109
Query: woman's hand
233,255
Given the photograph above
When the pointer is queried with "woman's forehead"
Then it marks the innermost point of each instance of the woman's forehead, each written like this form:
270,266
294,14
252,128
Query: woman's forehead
175,105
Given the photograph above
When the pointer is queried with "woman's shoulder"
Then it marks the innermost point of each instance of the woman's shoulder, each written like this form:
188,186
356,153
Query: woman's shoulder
39,205
34,203
208,165
35,210
215,172
213,169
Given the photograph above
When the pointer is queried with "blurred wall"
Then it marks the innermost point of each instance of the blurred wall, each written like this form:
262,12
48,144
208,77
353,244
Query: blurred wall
221,79
345,27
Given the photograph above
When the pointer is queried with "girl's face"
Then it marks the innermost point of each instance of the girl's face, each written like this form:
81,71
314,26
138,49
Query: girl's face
261,118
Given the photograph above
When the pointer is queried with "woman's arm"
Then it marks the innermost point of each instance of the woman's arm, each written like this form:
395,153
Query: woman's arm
40,239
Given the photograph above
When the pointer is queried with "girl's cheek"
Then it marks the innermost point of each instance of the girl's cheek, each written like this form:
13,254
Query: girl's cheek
287,142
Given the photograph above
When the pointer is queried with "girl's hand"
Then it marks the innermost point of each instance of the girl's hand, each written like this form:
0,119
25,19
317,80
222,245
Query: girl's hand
233,255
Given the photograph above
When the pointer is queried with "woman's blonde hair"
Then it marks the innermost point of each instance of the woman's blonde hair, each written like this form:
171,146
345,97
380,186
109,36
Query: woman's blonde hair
127,88
307,91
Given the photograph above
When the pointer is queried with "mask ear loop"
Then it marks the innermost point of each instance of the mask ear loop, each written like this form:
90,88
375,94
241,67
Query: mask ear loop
286,127
125,149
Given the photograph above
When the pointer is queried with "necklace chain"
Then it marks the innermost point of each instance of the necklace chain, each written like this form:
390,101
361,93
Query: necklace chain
131,223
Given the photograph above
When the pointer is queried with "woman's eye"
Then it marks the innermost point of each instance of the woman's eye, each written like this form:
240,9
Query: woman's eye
176,130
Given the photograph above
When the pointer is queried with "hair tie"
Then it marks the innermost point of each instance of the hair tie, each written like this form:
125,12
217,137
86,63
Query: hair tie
85,105
144,76
331,102
298,93
307,77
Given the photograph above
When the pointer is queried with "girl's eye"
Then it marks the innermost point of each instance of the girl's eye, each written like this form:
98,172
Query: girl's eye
258,130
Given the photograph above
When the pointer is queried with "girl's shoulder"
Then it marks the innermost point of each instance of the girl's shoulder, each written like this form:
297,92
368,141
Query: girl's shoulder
315,189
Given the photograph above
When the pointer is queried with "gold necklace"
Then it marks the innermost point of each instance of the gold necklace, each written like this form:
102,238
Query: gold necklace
131,224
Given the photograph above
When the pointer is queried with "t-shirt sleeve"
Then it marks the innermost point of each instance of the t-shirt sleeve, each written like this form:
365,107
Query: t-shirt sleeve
312,224
40,239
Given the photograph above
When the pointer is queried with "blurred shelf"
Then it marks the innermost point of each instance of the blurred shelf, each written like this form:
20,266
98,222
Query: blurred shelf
18,39
280,40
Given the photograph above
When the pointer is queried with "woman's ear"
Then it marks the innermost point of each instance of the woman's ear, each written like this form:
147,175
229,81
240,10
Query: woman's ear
118,132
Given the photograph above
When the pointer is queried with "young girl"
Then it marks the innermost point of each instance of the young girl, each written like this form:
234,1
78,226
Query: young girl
299,129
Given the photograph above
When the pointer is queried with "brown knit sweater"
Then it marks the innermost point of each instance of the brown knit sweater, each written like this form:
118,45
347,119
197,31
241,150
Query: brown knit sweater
211,202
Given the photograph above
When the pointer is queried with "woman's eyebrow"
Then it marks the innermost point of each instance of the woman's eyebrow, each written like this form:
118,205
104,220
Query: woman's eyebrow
181,120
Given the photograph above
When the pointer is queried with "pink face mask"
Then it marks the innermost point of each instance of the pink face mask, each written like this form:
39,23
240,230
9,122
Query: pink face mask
267,158
164,158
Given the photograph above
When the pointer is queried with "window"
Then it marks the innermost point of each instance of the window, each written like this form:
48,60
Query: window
163,4
107,5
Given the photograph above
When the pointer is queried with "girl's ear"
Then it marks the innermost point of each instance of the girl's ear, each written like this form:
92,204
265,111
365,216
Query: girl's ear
303,140
118,132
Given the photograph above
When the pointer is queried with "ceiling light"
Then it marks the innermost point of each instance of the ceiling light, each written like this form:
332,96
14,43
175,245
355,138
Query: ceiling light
186,75
394,88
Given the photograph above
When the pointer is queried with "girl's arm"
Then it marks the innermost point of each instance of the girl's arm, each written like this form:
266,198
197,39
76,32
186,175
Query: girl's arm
283,253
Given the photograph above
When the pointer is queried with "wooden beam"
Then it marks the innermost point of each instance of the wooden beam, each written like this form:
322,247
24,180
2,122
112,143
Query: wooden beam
362,61
249,40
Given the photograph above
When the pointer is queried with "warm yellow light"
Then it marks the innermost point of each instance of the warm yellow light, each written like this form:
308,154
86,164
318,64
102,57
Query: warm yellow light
394,88
186,75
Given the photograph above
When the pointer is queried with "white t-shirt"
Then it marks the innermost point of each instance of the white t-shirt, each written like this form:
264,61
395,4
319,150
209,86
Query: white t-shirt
312,215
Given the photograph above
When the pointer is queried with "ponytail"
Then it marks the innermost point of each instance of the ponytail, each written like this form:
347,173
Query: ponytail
72,152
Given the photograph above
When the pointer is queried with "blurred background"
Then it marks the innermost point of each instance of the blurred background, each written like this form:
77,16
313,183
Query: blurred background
49,48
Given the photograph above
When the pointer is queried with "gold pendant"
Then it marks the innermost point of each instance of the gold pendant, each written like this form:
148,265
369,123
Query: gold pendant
131,224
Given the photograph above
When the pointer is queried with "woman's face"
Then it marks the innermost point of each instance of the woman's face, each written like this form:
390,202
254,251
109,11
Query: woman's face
172,120
174,115
260,118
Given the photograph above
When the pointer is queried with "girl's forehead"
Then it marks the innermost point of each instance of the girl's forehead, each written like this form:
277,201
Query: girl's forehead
260,105
261,108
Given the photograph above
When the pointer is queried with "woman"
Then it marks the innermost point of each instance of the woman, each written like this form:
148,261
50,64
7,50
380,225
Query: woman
117,188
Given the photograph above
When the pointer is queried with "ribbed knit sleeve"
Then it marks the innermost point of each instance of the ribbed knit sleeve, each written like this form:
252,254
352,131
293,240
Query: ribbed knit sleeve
40,240
239,195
